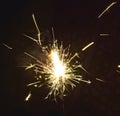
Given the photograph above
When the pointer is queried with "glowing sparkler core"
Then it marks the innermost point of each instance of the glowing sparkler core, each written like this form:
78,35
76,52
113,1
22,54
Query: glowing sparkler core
58,66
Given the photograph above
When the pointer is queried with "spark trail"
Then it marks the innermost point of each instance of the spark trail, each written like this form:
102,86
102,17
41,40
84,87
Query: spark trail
106,9
28,97
58,69
87,46
7,46
104,34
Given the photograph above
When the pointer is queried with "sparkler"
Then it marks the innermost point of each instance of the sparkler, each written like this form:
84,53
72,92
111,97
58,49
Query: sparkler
58,70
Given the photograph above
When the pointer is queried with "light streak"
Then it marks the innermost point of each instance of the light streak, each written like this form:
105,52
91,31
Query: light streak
87,46
98,79
30,66
58,69
104,34
7,46
39,39
28,96
106,9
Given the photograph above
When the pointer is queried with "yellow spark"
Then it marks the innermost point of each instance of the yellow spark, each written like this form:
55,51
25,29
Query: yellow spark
28,96
108,7
30,66
98,79
104,34
7,46
87,46
118,66
39,39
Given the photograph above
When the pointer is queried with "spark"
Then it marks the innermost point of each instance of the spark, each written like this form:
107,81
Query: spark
34,83
106,9
118,66
58,69
39,40
30,66
98,79
87,46
7,46
104,34
28,96
117,71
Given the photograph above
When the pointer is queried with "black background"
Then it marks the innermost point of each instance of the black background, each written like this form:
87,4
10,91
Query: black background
75,22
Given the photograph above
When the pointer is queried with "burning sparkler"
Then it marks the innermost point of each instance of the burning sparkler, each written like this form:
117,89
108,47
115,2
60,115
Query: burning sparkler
58,70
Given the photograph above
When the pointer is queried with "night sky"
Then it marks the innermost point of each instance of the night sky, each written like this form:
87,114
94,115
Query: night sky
75,22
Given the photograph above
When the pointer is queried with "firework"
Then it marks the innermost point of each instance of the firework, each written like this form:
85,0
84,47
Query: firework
58,70
106,9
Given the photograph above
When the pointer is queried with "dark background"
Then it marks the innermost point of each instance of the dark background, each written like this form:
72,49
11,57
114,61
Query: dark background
74,22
